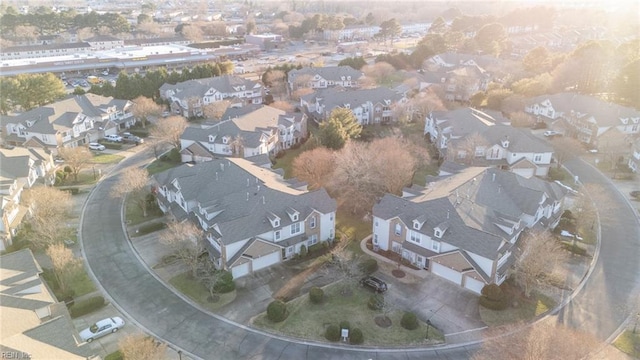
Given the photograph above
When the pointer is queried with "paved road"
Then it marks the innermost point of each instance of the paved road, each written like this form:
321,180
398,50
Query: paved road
169,317
613,290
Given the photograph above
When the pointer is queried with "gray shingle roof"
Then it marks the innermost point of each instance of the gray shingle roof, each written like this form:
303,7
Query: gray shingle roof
333,98
58,333
198,87
245,201
520,140
331,73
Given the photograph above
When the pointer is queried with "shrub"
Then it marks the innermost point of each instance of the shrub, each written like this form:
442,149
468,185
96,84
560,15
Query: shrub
332,333
86,306
344,324
174,156
73,190
555,174
409,321
303,251
225,283
493,297
369,266
356,337
112,146
277,311
139,132
316,295
376,302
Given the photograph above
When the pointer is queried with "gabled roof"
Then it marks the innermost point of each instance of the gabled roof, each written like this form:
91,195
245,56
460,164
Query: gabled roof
466,121
331,73
520,140
333,98
604,113
198,87
245,194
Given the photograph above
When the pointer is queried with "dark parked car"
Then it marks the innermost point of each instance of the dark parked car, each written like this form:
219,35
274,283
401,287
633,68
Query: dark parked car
635,194
374,283
130,138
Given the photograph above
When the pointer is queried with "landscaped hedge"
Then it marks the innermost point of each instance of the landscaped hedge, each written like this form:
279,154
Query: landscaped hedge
356,337
86,306
332,333
493,297
225,283
277,311
316,295
111,145
409,321
139,132
369,266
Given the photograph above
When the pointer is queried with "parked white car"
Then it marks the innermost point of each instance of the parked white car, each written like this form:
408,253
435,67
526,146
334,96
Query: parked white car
114,138
101,328
550,133
96,146
565,233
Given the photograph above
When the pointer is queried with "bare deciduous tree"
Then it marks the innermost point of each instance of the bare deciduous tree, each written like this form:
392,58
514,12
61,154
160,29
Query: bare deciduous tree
192,32
185,240
65,265
143,107
133,181
465,150
314,166
169,130
302,81
76,159
365,172
348,268
521,119
216,109
565,148
276,81
543,340
537,256
142,347
380,71
297,94
50,208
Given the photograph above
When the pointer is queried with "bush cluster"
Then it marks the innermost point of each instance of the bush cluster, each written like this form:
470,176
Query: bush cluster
225,283
356,337
409,321
332,333
369,266
493,297
344,324
277,311
149,228
86,306
316,295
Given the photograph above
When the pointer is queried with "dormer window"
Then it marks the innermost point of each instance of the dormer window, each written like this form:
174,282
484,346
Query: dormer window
294,217
293,214
211,138
438,233
276,222
225,139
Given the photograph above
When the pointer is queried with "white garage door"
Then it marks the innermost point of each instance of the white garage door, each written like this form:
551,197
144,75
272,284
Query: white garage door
446,273
266,261
240,270
473,284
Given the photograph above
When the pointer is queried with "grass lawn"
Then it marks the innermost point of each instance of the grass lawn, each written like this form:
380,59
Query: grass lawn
526,310
352,225
309,321
629,343
286,161
160,166
84,178
198,293
420,177
133,213
82,284
103,158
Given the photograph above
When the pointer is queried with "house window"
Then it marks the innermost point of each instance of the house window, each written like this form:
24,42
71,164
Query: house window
375,238
396,248
376,223
276,222
312,240
416,225
435,246
415,237
295,228
537,158
295,217
290,250
398,229
276,235
312,222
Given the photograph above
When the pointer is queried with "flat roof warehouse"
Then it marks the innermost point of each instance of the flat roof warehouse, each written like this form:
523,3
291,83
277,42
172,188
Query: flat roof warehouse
122,58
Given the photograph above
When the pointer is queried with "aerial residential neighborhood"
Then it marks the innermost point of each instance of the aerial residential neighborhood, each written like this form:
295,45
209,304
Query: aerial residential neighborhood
319,179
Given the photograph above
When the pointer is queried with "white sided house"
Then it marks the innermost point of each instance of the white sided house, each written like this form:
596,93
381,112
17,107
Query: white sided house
251,217
587,118
369,106
74,121
473,137
464,227
189,98
245,132
324,77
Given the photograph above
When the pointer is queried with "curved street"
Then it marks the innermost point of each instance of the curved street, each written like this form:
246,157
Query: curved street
601,306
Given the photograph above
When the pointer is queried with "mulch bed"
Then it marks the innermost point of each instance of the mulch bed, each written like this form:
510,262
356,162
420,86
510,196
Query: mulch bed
398,273
382,321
